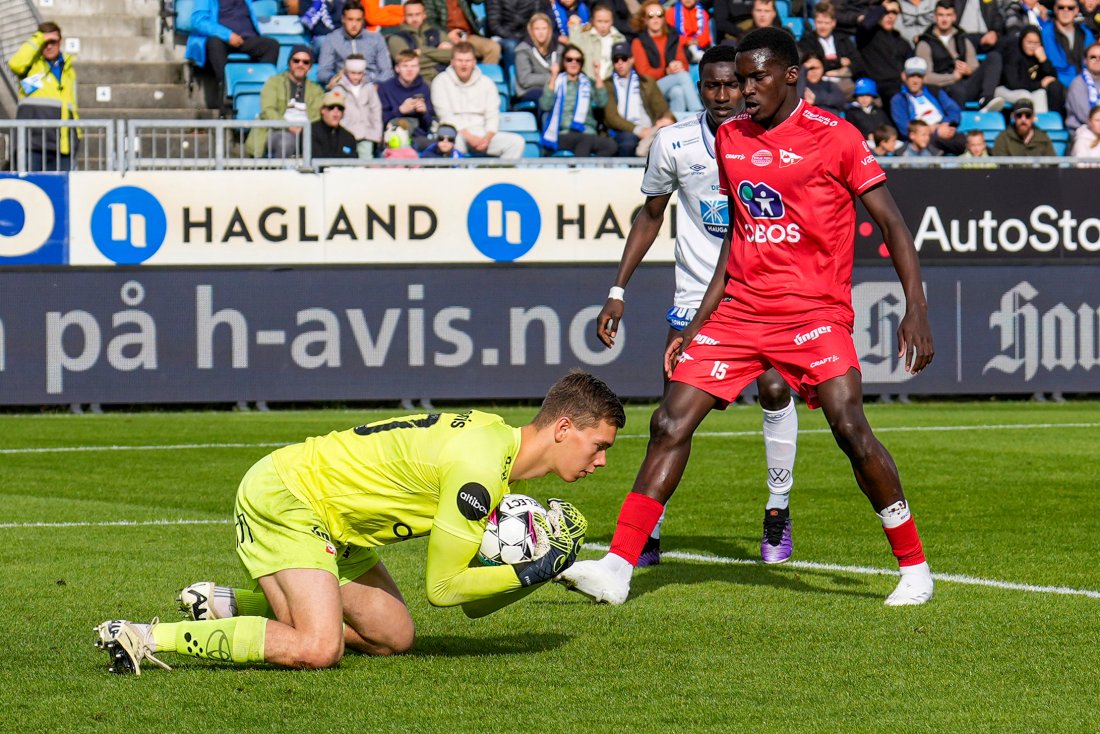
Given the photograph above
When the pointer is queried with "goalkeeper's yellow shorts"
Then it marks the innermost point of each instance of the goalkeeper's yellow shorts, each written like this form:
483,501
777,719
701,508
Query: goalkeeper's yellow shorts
276,531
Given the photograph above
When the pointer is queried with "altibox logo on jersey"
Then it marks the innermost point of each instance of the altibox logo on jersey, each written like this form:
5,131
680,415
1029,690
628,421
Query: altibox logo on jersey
504,222
715,216
763,201
34,222
128,225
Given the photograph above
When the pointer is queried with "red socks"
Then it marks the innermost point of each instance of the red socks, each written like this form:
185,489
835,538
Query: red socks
904,542
637,518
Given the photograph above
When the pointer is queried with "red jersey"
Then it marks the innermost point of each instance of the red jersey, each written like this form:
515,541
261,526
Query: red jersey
792,196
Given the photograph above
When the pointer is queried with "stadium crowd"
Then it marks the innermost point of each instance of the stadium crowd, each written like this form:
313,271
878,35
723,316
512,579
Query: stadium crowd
514,78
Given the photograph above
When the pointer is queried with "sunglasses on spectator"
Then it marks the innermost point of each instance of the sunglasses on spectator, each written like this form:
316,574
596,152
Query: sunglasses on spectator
617,59
1022,113
654,15
892,12
446,138
1094,57
52,42
572,59
307,62
1065,7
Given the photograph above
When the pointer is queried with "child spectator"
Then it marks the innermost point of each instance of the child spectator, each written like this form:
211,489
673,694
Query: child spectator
865,111
444,145
398,140
362,107
920,139
692,22
976,146
886,142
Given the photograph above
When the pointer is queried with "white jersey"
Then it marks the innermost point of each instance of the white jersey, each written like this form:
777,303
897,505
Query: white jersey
682,160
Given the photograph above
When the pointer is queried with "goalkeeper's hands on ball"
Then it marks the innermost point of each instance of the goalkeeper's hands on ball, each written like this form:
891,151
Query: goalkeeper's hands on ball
563,527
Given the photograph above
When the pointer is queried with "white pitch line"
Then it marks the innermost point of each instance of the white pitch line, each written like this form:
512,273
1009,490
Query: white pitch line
109,523
870,571
700,434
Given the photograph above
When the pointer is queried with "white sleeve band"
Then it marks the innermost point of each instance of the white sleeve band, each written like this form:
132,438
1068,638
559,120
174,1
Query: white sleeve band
616,293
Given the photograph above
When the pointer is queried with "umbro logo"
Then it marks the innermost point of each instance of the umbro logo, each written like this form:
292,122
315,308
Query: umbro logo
788,158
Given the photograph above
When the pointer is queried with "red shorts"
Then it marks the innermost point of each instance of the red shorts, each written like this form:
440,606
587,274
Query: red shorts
728,354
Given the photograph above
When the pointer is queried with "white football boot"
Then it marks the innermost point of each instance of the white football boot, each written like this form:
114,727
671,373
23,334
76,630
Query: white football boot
915,586
606,580
205,600
127,645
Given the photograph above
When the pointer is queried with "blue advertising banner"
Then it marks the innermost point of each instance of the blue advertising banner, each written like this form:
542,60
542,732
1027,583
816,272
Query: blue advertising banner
478,332
34,219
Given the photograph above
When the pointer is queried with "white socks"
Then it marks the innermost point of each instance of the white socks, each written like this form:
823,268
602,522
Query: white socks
780,443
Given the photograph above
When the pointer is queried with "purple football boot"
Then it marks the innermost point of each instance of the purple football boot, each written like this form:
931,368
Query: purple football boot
651,553
776,545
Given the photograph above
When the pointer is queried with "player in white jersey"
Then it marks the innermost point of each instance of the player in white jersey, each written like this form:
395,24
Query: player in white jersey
682,161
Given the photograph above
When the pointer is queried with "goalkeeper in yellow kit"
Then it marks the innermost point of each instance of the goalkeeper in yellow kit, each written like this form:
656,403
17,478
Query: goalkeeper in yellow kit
311,516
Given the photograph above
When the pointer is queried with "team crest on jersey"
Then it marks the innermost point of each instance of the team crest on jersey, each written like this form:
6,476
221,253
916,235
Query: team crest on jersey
715,216
763,201
762,158
788,158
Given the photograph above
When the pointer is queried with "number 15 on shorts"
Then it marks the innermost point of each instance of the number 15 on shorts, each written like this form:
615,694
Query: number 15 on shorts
718,370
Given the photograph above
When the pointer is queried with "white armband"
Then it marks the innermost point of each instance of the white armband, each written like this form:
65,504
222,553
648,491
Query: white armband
616,293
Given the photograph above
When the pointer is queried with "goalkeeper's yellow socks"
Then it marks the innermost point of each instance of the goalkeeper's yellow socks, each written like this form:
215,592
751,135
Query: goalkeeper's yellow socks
238,639
252,604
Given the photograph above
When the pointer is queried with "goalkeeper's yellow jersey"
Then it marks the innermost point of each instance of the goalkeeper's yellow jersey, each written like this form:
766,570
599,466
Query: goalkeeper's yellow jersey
395,479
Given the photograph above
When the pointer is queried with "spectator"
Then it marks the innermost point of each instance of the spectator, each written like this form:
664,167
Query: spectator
330,139
535,56
596,39
915,18
430,43
1028,73
838,52
817,90
1022,138
222,27
732,19
658,55
383,14
456,17
982,22
953,62
883,48
886,142
1020,14
444,144
408,96
397,140
567,15
352,38
1084,90
1086,141
764,15
506,21
362,108
569,98
1065,41
469,101
865,111
851,14
636,109
976,146
47,91
320,18
933,107
1090,16
693,24
288,96
920,139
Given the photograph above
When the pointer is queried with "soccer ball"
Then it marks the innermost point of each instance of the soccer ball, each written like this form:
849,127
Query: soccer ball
512,535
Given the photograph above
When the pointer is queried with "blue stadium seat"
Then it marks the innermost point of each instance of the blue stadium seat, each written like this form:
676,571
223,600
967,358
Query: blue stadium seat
265,8
783,7
1060,147
795,26
987,122
284,25
290,39
479,14
694,69
1050,120
244,78
183,8
532,150
246,106
523,123
525,105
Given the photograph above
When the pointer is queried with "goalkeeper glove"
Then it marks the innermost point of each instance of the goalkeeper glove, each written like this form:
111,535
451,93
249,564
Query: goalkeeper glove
564,527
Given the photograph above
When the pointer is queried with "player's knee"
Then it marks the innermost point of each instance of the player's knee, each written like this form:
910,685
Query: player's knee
666,430
397,641
774,393
316,654
854,437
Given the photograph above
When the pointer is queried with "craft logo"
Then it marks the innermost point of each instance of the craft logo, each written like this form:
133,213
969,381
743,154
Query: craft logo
763,201
504,222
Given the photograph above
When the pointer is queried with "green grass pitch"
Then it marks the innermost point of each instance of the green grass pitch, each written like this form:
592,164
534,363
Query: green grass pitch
1001,491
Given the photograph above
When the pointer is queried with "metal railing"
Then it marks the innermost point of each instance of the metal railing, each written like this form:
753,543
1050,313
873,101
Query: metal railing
19,19
217,145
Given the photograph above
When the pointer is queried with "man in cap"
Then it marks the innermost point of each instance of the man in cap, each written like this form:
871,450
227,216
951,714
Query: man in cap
329,139
1022,138
636,108
934,107
289,96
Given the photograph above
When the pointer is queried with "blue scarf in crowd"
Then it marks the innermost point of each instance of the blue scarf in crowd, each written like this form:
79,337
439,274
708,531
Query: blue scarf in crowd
561,16
580,110
1090,85
318,13
700,24
628,95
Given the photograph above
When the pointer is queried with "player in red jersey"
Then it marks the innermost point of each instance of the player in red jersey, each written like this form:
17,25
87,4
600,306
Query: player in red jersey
781,297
